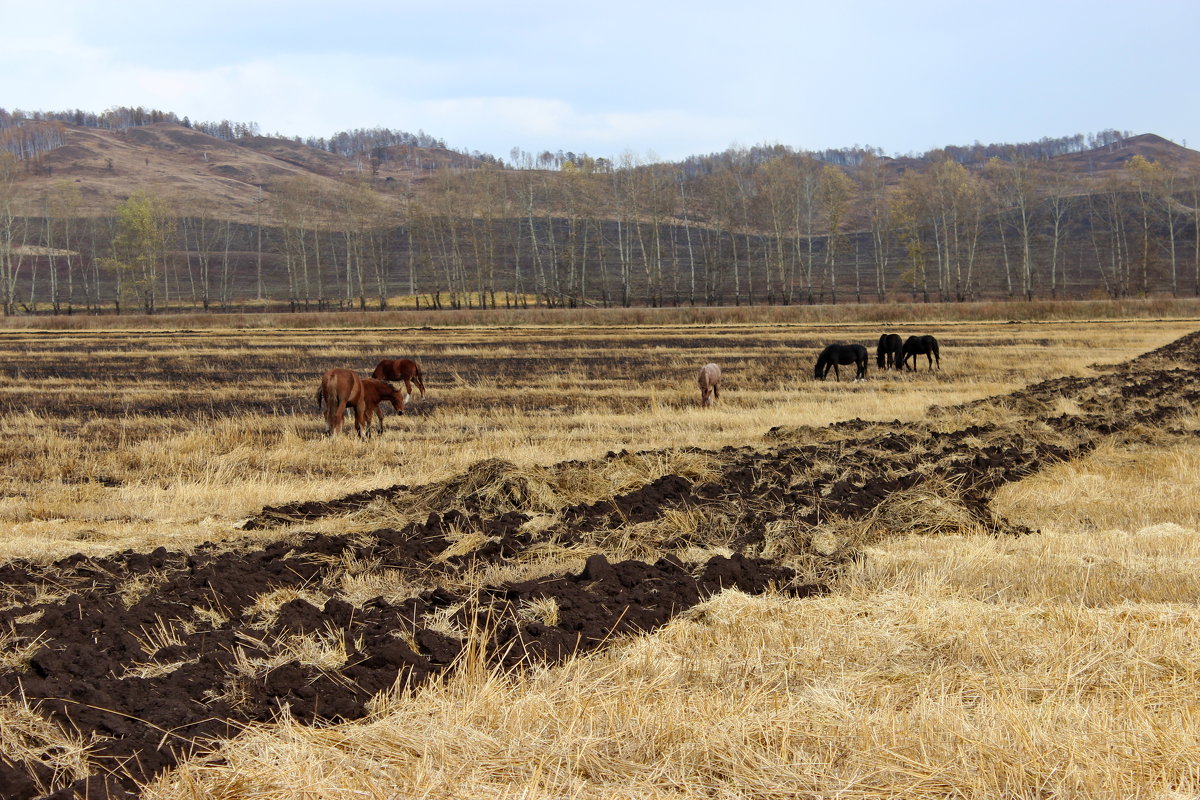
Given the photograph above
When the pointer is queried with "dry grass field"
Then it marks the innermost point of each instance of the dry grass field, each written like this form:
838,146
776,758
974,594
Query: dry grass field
942,659
114,439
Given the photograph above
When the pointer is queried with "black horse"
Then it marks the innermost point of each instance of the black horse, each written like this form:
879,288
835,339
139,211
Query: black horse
920,345
841,353
888,352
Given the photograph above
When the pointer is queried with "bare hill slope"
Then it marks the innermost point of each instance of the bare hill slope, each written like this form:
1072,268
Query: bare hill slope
194,172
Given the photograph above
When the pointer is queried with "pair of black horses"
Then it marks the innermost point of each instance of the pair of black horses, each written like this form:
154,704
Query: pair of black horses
891,352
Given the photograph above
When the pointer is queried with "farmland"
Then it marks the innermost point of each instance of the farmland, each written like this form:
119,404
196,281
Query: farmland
559,506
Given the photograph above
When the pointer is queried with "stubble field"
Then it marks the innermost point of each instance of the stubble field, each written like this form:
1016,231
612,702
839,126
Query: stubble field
188,561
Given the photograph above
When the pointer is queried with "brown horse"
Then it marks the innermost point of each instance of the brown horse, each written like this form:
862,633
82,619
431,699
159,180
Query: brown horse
710,377
339,389
396,369
376,392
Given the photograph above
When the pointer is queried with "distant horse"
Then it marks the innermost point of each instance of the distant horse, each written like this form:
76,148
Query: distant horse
841,353
710,378
888,352
374,393
920,345
339,389
396,369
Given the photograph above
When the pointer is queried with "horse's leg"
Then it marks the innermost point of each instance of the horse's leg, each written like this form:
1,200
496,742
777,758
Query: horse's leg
326,410
338,418
360,412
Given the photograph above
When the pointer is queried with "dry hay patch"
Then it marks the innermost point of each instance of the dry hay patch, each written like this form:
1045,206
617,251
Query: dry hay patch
812,503
492,487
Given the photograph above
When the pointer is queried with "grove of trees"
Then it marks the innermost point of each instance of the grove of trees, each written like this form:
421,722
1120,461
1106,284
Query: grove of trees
747,226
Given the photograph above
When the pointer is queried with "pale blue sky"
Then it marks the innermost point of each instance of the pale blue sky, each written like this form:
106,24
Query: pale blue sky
656,79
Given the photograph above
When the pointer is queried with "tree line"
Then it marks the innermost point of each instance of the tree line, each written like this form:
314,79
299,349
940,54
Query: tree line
766,225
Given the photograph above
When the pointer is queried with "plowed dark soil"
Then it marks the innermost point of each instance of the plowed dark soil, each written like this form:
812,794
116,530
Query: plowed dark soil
153,674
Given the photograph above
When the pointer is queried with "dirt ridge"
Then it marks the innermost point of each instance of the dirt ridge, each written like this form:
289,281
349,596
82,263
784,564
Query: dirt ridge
146,653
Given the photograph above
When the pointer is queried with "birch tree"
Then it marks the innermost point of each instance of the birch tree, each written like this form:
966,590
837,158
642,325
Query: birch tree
835,192
873,187
139,247
14,232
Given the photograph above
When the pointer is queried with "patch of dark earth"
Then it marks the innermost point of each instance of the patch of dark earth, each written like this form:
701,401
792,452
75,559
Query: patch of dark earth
151,657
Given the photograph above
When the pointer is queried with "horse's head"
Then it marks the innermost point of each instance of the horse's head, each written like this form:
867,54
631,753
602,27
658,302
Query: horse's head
397,398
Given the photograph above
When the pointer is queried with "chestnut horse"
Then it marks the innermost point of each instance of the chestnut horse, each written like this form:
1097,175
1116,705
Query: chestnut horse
375,392
710,377
339,389
405,369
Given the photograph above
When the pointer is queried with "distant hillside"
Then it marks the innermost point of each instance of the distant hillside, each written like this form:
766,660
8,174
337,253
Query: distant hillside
1115,156
228,178
372,216
192,171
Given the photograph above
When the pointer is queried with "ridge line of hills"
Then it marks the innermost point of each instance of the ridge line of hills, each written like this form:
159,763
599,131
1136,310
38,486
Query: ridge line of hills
230,176
763,225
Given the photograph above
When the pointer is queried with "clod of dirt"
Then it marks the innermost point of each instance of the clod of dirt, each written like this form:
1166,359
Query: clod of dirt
152,675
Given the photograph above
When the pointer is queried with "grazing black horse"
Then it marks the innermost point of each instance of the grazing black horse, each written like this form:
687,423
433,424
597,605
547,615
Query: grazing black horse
841,353
920,345
888,352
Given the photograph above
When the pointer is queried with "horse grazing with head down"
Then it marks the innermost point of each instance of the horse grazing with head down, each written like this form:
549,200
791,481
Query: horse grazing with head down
841,353
710,379
887,354
375,392
341,389
397,369
920,345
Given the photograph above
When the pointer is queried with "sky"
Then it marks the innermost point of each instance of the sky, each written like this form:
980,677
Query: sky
646,79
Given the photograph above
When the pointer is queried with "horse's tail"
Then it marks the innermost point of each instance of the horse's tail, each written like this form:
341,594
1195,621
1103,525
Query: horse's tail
418,380
881,351
321,394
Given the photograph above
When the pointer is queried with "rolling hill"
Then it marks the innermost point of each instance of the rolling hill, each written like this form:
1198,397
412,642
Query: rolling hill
765,225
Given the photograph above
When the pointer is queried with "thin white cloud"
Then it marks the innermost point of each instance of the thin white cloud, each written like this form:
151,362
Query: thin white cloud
677,78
